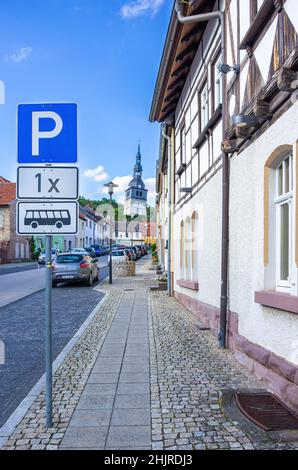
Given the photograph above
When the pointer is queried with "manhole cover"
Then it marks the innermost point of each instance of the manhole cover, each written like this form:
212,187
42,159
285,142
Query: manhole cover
266,411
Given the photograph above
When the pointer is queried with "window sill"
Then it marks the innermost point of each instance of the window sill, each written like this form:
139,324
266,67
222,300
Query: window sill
278,300
192,285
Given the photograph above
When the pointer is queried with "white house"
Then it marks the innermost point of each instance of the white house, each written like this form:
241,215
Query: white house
234,243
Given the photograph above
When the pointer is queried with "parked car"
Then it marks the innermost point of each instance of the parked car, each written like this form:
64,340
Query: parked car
106,249
81,251
42,257
131,254
119,255
137,252
74,267
99,251
141,249
91,252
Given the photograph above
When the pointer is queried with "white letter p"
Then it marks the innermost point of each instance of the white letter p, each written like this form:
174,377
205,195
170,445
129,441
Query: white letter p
37,134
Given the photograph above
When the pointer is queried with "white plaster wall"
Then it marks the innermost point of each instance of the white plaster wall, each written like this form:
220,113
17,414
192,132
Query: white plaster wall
273,329
207,203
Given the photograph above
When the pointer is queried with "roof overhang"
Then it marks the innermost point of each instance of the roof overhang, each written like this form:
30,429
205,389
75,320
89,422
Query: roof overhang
180,48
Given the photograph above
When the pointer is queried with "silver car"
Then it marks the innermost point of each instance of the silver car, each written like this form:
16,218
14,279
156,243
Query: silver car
74,267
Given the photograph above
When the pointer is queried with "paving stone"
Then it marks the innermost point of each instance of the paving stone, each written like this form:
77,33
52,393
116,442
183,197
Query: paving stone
96,402
100,389
87,437
108,360
103,378
132,401
129,436
131,417
90,418
128,360
135,368
106,369
134,378
133,389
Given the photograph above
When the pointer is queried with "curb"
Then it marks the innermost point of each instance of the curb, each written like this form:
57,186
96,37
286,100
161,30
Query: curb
16,417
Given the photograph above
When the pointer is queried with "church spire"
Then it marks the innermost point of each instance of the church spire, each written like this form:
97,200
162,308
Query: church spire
139,156
136,193
138,169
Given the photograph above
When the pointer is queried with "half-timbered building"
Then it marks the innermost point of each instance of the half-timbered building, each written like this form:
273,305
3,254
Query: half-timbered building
232,98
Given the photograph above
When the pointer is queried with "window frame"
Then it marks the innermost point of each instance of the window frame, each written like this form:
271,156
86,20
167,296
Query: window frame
217,78
285,198
202,122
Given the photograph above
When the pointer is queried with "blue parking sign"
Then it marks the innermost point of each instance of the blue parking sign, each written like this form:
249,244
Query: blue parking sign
47,133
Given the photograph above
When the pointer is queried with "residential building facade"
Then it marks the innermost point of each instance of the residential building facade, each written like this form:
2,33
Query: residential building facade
12,246
259,141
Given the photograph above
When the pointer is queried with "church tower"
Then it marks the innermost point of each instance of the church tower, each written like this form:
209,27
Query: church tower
136,194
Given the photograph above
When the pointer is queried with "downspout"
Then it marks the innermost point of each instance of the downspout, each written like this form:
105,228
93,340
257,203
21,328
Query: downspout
170,200
179,6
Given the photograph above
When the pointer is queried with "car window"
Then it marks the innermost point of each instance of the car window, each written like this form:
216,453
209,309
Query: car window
119,253
64,259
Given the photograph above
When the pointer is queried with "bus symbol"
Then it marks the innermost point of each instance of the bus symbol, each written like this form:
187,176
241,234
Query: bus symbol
36,218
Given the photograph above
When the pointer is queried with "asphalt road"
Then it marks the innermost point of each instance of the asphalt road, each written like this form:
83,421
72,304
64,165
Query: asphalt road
21,283
22,331
11,269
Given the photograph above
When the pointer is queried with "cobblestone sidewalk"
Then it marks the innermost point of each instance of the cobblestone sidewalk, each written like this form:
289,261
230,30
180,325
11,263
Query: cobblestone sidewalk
69,382
112,392
188,373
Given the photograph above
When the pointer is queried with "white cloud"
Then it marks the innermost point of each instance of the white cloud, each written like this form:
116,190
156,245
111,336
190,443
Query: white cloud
97,174
150,185
140,7
123,182
19,56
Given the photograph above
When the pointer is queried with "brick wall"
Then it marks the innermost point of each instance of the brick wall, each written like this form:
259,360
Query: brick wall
12,246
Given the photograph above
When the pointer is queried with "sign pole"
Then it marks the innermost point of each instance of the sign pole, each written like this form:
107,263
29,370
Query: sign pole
48,318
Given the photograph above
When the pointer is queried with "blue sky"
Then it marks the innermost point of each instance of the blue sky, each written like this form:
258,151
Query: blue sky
104,55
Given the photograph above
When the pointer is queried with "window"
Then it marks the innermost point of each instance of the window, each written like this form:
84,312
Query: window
284,221
1,218
182,146
204,101
188,249
217,83
182,257
194,236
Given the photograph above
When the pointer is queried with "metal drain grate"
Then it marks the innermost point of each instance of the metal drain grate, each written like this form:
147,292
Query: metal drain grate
266,411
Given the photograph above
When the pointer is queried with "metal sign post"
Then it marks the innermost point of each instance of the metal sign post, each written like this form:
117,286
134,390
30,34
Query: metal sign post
47,194
48,335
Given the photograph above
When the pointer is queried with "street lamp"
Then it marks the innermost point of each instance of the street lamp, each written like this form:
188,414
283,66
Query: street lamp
111,186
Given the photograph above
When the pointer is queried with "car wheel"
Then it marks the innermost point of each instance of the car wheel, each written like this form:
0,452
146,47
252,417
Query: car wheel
90,280
54,284
97,275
